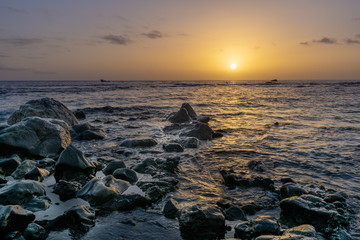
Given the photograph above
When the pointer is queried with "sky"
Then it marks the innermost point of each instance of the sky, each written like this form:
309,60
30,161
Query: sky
180,40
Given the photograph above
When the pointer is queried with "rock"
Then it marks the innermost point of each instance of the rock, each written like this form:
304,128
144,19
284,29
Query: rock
35,232
201,222
9,165
73,165
66,190
234,213
14,218
102,191
147,166
180,116
36,136
259,226
80,114
170,164
142,143
44,108
173,147
125,174
242,230
87,132
112,166
302,232
156,190
190,142
79,128
37,174
129,202
23,168
256,165
203,119
171,209
333,197
173,128
291,189
15,235
3,179
200,131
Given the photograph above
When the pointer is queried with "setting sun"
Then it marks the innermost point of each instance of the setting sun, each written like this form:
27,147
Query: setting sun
233,66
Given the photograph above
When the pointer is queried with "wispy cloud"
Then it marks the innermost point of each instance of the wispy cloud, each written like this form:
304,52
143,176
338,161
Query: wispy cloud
117,39
326,40
14,10
304,43
154,34
21,41
352,41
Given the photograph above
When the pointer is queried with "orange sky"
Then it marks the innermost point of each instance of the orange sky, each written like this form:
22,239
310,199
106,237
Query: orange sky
179,40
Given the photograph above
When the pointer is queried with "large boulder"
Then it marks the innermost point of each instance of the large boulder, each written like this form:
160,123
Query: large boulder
9,165
102,191
185,114
44,108
202,222
14,218
36,136
200,131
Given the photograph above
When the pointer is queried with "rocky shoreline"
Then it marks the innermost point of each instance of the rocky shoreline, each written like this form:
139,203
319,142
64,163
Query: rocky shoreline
36,147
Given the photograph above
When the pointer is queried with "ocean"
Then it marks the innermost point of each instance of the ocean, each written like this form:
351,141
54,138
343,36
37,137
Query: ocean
308,131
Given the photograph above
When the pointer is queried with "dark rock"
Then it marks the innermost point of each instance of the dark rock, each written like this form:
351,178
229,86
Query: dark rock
333,197
102,191
190,142
217,134
37,174
291,189
173,147
180,116
15,235
302,232
147,166
46,163
125,174
36,136
80,114
234,213
14,218
129,202
170,164
156,190
203,119
173,128
171,209
73,165
256,165
142,143
287,180
189,109
242,230
9,165
3,179
97,134
23,168
35,232
112,166
200,131
44,108
27,193
79,128
201,222
66,190
259,226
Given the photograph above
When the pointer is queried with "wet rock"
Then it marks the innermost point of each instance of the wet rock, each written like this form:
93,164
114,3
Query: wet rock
201,222
333,197
73,165
27,193
309,209
14,218
259,226
44,108
147,166
203,119
23,168
2,180
86,131
256,165
170,164
9,165
35,232
125,174
36,136
200,131
48,163
156,190
190,142
15,235
217,134
129,202
291,189
171,208
173,147
180,116
37,174
234,213
101,191
173,128
142,143
80,114
190,110
302,232
66,190
112,166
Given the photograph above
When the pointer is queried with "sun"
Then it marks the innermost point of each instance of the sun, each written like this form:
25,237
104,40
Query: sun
233,66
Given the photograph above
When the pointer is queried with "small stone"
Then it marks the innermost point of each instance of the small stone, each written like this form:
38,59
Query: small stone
112,166
125,174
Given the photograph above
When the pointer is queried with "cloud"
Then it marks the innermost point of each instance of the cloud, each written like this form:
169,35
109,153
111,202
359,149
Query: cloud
352,41
305,43
10,69
326,40
117,39
357,35
21,41
14,10
154,34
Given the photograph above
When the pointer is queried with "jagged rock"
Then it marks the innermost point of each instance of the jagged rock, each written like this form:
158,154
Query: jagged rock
80,114
147,166
101,191
44,108
125,174
201,222
36,136
112,166
23,168
291,189
9,165
200,131
66,190
37,174
171,208
173,147
35,232
190,142
259,226
14,218
28,193
190,110
73,165
142,143
180,116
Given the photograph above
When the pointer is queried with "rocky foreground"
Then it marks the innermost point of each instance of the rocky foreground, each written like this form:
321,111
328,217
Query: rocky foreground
37,145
